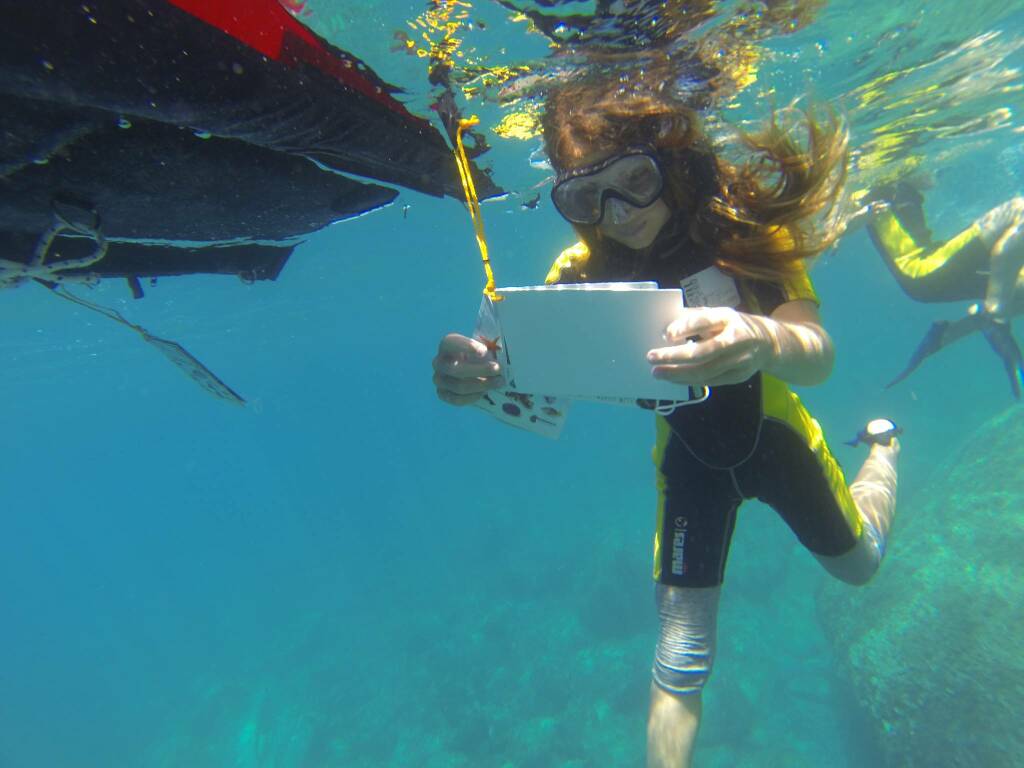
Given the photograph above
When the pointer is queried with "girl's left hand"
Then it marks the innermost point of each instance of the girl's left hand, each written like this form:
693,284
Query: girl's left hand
729,348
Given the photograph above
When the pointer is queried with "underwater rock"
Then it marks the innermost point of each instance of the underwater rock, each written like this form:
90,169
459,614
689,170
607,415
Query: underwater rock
934,647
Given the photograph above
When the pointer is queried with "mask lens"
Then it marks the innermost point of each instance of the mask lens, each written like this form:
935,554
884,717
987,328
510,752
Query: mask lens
579,200
636,178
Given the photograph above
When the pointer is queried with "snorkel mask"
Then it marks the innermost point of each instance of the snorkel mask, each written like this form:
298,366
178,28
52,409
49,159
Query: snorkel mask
633,176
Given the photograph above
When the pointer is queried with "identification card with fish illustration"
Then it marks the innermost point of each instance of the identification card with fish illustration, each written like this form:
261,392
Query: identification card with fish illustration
542,414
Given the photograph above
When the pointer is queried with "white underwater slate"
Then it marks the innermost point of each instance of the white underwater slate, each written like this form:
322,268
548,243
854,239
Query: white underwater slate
576,342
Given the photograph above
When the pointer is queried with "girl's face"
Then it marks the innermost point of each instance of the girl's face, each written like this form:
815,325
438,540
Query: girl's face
618,193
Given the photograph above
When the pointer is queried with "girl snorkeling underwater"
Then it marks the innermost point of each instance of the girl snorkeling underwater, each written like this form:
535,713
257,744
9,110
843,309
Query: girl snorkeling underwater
650,200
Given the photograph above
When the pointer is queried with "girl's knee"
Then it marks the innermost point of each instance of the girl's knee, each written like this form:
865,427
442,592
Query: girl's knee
860,564
686,642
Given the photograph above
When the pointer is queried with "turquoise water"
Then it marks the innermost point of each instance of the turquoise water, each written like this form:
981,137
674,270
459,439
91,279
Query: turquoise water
349,573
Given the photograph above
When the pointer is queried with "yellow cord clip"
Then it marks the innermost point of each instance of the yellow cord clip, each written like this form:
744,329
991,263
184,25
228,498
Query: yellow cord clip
474,204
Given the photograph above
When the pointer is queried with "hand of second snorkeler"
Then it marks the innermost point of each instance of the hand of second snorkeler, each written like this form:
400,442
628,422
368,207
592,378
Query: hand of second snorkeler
714,346
464,370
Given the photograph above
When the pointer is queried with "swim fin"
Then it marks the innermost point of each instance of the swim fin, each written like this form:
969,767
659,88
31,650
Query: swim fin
932,343
999,336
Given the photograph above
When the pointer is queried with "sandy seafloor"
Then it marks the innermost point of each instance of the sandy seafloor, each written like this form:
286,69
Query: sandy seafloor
349,573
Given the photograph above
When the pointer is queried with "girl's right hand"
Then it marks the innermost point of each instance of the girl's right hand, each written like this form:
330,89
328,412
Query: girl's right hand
464,370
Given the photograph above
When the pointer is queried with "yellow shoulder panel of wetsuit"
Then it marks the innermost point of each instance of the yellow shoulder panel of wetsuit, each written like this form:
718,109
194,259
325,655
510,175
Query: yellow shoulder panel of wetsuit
569,264
782,240
909,257
798,285
794,287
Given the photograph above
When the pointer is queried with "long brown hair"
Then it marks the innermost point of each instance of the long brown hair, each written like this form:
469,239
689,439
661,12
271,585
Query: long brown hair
759,214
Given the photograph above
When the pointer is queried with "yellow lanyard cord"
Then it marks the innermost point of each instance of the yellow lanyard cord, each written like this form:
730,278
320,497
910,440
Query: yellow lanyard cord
474,204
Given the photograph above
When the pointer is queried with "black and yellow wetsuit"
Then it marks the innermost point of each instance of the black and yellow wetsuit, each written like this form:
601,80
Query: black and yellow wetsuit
749,440
967,267
928,271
